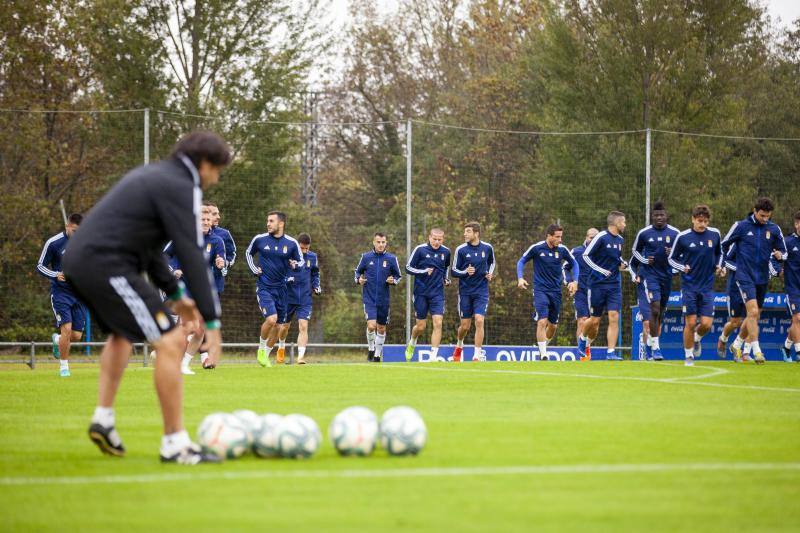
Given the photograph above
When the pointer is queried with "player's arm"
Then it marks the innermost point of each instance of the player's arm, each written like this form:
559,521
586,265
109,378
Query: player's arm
296,259
447,267
45,261
218,254
360,268
570,265
594,250
459,268
252,250
733,235
634,269
526,256
395,273
676,254
576,267
719,257
638,248
412,265
490,263
779,245
316,286
161,274
230,249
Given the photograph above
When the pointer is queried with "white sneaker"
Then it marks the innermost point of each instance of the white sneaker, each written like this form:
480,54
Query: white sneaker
186,371
689,361
480,358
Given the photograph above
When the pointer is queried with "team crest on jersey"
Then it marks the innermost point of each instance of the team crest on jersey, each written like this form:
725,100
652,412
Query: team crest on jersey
162,320
483,254
442,257
208,247
285,249
384,263
709,243
556,254
667,238
768,234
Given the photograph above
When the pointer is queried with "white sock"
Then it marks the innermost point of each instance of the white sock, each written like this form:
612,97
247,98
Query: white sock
187,357
738,342
64,363
460,343
542,350
380,338
434,353
654,343
609,350
412,341
174,442
755,347
787,343
476,352
301,351
747,347
723,338
689,353
697,337
58,338
797,347
371,340
103,416
281,344
262,344
203,357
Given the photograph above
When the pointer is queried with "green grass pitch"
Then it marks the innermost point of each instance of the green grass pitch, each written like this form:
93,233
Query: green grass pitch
511,447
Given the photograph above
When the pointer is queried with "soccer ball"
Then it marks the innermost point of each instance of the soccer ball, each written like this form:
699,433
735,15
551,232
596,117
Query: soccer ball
266,443
354,431
223,434
298,436
403,431
253,423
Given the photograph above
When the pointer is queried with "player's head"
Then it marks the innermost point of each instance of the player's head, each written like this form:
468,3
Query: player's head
205,220
554,234
797,222
73,221
207,151
591,233
214,210
701,217
436,238
763,209
379,242
659,215
472,232
305,242
276,223
616,219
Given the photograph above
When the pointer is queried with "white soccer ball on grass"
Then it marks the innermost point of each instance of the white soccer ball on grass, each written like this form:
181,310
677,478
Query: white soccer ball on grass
266,444
403,431
223,434
252,422
354,431
298,436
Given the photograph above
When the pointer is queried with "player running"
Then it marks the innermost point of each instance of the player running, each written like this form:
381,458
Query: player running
430,265
222,233
69,311
697,255
651,249
552,263
301,285
474,265
277,253
758,239
124,235
791,281
580,300
377,270
604,257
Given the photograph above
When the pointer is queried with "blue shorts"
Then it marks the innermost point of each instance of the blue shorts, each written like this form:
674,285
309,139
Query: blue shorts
698,302
736,307
273,301
793,303
751,291
428,304
581,303
657,289
377,312
472,304
67,309
604,297
303,311
547,304
643,301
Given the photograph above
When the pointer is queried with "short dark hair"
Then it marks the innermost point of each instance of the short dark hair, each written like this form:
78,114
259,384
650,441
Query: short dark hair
797,215
281,215
613,216
701,210
304,238
201,146
75,218
659,206
476,227
206,203
436,230
553,228
379,234
764,204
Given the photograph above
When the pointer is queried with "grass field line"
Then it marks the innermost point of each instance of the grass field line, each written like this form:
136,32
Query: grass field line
215,473
675,381
714,371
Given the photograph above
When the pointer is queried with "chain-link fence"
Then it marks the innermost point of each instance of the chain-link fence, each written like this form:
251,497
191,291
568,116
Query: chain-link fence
342,182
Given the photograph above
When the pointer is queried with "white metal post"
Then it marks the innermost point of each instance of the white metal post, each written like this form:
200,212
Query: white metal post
146,135
408,224
647,180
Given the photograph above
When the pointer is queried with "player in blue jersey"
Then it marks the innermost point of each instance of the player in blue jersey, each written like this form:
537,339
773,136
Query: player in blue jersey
604,257
430,265
651,249
278,254
758,239
697,255
224,234
580,300
735,304
791,282
473,265
68,310
644,309
552,263
377,271
302,284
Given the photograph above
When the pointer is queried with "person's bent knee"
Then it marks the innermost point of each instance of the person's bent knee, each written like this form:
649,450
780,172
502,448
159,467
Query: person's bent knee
302,325
381,328
76,335
372,325
437,321
478,320
66,329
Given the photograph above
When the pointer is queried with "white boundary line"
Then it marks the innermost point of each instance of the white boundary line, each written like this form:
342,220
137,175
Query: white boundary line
221,475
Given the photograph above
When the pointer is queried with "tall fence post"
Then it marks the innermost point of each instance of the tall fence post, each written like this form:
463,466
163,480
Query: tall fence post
146,135
647,180
408,224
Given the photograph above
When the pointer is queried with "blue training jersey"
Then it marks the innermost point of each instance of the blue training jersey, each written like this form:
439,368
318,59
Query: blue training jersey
656,243
424,257
213,247
702,252
604,256
274,255
230,245
377,267
480,256
756,242
49,264
550,266
305,280
583,271
791,266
